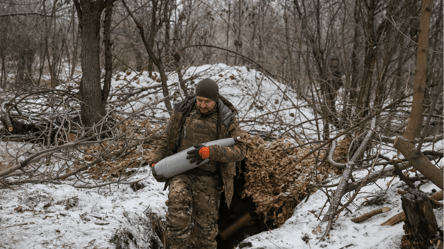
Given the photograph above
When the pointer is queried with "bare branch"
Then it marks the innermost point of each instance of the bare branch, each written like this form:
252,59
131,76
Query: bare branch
25,14
340,190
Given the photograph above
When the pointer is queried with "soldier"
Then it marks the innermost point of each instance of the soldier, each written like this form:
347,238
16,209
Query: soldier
194,196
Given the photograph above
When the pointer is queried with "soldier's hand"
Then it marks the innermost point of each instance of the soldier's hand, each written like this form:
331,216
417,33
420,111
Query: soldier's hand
198,154
158,178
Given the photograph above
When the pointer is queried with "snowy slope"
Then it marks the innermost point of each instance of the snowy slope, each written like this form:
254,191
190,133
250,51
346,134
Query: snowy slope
264,105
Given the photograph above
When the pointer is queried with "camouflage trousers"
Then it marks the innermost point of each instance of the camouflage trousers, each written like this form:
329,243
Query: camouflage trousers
193,211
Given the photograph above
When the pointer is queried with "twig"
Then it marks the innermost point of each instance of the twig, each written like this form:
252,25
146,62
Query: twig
106,184
330,157
6,185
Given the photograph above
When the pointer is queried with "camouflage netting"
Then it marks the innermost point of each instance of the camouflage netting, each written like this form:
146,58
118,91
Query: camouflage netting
275,196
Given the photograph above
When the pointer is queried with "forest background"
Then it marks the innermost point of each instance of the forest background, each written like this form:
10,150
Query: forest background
348,61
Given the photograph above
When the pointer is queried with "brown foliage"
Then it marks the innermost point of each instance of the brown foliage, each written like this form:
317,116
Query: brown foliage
117,167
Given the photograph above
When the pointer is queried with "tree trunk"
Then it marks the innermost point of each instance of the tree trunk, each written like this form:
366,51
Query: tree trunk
108,53
24,65
228,31
168,53
75,44
92,107
138,56
398,87
415,120
353,93
3,76
412,154
291,68
238,42
369,60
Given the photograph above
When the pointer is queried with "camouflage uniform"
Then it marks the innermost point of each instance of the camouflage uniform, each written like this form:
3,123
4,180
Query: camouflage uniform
194,197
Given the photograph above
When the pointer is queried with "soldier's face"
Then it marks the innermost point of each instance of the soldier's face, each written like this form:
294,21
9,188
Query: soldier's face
205,104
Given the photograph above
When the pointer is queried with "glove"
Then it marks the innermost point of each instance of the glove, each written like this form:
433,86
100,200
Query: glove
198,154
159,178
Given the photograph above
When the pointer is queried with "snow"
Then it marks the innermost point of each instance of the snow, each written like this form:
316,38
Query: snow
367,234
48,222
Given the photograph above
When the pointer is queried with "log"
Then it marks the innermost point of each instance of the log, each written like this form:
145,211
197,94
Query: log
437,196
245,220
420,225
370,214
394,220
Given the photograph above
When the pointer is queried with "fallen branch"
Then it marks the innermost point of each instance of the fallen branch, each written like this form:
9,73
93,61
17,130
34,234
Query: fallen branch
370,214
395,219
245,220
427,139
437,196
330,157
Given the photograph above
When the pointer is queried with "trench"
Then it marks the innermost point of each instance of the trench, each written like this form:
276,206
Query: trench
240,221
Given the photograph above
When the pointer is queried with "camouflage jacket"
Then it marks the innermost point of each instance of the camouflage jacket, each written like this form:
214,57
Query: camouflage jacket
203,128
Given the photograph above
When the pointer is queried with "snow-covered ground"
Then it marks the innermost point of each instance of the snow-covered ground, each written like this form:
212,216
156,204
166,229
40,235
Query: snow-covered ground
62,216
38,216
299,230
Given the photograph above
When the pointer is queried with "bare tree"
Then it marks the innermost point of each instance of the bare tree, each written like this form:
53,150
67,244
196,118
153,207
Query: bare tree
414,155
159,15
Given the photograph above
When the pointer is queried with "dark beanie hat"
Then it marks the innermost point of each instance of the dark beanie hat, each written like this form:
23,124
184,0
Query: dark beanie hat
208,89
